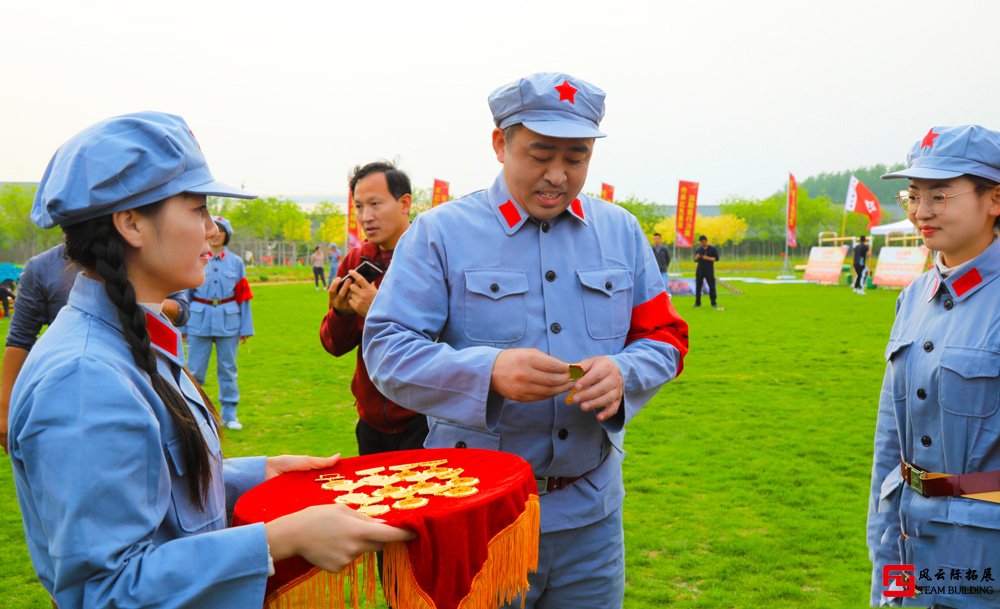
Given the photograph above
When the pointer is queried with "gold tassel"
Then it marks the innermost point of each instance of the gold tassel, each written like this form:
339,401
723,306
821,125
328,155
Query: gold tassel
319,588
511,555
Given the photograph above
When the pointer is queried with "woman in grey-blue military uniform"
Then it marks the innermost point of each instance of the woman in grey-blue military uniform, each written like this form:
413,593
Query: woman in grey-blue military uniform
934,516
220,316
117,463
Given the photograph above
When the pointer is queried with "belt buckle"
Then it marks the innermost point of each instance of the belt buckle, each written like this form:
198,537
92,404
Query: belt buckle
915,482
543,485
215,302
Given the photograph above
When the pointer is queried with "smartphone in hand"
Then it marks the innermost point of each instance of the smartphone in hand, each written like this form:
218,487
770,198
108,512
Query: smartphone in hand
367,270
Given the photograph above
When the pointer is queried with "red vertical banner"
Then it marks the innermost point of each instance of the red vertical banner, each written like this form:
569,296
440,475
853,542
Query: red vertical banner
353,230
687,207
440,193
793,206
608,192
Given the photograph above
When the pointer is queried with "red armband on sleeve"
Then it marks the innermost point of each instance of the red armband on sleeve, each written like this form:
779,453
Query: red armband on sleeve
656,319
242,291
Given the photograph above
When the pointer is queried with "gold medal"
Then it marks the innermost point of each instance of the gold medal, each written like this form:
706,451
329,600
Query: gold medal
373,510
448,472
369,472
465,481
460,491
387,491
343,486
575,373
403,468
418,477
328,477
356,499
378,480
432,463
433,489
410,503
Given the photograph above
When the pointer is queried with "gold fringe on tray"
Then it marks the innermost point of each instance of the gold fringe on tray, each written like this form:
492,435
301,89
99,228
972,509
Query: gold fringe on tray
511,554
322,589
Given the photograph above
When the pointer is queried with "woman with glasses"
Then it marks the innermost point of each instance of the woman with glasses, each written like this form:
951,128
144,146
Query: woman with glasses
934,511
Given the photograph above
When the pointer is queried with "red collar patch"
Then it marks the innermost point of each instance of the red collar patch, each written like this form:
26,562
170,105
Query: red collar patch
966,282
510,214
576,208
567,92
222,255
161,334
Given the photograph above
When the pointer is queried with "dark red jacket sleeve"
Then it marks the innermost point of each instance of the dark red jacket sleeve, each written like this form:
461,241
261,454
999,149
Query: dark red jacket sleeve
340,334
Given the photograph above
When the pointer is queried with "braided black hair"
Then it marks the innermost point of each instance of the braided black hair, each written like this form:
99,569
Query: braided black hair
97,245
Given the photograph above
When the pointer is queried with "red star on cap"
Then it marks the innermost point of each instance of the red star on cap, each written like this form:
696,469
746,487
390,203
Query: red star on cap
567,92
928,141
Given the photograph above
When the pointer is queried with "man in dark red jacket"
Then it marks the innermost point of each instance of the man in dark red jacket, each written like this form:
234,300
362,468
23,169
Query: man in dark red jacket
382,199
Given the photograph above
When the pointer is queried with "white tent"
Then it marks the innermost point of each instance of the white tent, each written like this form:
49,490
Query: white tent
903,226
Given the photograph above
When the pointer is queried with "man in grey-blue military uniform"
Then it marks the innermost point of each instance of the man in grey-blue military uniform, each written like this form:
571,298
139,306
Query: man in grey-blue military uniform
495,294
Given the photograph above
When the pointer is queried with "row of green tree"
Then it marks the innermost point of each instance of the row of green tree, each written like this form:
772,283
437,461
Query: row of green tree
820,208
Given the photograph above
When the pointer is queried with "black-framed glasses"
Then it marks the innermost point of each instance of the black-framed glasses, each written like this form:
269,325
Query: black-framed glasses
936,200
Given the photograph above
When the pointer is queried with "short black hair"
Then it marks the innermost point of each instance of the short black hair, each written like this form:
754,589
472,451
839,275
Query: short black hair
222,229
657,235
398,182
703,238
863,238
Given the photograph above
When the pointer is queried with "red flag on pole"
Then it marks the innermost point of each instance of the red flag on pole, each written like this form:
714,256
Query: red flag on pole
353,231
863,201
687,206
440,193
608,192
793,201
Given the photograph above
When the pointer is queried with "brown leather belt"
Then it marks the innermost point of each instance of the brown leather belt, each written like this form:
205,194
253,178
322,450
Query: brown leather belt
949,485
215,302
554,483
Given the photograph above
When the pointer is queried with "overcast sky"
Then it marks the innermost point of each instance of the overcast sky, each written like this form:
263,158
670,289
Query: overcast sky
286,96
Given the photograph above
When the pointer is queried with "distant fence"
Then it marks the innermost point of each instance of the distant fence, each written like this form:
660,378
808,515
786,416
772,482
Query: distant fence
261,252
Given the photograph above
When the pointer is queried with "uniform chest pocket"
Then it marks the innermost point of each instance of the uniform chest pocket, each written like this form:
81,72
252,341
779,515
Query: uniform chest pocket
494,307
895,355
969,383
607,301
231,316
189,517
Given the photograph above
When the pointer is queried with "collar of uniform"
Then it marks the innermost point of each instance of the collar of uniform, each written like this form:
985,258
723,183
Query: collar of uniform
164,337
510,213
970,277
222,255
89,296
507,210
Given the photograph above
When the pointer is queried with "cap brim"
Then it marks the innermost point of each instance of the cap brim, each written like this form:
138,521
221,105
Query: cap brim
218,189
562,129
923,173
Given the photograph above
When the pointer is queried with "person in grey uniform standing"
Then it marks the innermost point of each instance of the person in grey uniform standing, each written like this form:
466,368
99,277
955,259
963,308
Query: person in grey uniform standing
514,284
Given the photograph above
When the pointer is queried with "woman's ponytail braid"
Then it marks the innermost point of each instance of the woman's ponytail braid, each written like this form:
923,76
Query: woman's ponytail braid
97,245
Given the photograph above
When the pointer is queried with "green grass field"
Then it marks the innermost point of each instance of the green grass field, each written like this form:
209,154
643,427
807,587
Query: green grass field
747,477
